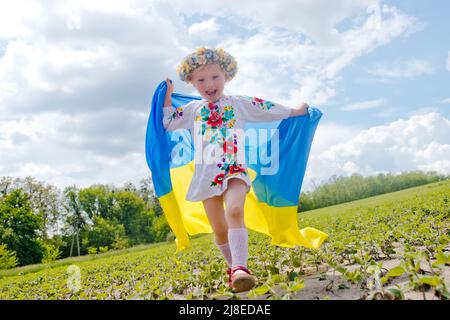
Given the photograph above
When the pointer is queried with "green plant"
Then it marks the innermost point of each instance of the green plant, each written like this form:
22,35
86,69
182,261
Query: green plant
50,252
92,250
412,227
8,258
103,249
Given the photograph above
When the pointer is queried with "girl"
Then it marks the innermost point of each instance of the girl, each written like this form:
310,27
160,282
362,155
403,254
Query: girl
225,180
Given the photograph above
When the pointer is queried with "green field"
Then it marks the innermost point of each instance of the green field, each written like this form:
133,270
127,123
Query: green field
410,227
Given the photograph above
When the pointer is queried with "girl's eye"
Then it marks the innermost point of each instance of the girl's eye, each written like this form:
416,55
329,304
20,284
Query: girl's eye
215,77
201,80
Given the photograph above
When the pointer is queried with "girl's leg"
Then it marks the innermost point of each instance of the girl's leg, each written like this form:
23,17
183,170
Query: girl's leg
234,198
215,213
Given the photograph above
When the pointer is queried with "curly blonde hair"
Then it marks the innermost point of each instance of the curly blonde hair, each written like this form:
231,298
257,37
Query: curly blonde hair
203,56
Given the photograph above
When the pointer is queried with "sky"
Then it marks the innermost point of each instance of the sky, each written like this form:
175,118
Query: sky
77,78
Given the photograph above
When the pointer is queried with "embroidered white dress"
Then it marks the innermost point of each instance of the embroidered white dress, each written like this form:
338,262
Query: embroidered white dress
215,128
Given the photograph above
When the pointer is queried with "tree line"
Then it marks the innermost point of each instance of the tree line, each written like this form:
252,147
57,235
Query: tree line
338,189
40,223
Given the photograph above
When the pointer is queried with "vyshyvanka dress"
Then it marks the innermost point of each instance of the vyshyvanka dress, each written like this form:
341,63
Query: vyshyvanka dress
215,128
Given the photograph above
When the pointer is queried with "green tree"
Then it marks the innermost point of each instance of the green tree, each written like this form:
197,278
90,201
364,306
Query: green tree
6,185
97,200
104,232
160,229
19,227
8,258
44,200
130,210
147,193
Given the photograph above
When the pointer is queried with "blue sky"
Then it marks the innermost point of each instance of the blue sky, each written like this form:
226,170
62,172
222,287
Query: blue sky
409,94
76,79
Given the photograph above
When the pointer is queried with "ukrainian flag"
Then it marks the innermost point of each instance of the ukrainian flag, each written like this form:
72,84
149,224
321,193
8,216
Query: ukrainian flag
271,204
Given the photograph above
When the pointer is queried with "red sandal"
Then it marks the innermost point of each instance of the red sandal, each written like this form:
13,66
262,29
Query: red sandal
242,281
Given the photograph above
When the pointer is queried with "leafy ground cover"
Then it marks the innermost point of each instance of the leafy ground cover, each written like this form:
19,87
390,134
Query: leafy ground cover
393,246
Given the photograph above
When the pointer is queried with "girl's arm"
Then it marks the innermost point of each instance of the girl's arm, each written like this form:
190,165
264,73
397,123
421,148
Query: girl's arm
176,118
254,109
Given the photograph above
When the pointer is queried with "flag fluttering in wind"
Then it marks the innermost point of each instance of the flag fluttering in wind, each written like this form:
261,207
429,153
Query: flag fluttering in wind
270,206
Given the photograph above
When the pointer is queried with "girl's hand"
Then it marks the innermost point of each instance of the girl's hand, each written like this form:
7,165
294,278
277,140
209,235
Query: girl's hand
300,110
169,86
168,97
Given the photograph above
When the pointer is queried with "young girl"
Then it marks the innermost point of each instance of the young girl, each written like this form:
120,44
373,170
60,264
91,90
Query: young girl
225,180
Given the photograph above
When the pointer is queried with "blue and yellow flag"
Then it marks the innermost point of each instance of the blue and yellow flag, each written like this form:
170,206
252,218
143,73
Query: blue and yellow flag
270,206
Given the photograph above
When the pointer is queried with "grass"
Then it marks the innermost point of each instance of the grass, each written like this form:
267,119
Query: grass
32,268
362,231
397,196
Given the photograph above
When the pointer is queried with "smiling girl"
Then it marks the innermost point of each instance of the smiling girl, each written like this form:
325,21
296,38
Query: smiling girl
224,180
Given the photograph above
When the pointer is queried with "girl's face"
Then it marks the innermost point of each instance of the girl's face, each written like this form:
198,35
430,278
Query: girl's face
209,80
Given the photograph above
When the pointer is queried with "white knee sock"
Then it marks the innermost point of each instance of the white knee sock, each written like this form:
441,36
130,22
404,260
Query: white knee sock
225,248
238,240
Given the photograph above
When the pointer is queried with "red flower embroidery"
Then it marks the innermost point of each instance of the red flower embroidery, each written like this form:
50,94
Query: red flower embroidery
219,178
211,106
214,119
261,103
229,147
236,169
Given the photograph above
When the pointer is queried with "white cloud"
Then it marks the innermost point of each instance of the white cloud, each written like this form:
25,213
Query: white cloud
446,100
421,142
422,111
276,64
317,20
15,18
50,67
110,60
206,30
403,69
99,147
7,89
331,134
295,53
363,105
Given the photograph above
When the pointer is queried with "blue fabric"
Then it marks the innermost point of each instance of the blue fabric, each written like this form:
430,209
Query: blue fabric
280,189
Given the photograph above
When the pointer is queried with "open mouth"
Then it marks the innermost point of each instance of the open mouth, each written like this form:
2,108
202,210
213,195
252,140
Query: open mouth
211,93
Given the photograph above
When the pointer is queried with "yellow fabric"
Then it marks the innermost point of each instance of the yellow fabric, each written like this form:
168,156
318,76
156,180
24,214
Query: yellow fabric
189,218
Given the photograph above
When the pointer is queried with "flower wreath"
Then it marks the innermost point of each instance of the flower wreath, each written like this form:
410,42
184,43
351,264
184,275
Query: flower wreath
203,56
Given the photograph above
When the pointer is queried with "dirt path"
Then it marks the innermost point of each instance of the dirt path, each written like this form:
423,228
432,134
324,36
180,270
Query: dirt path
330,285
